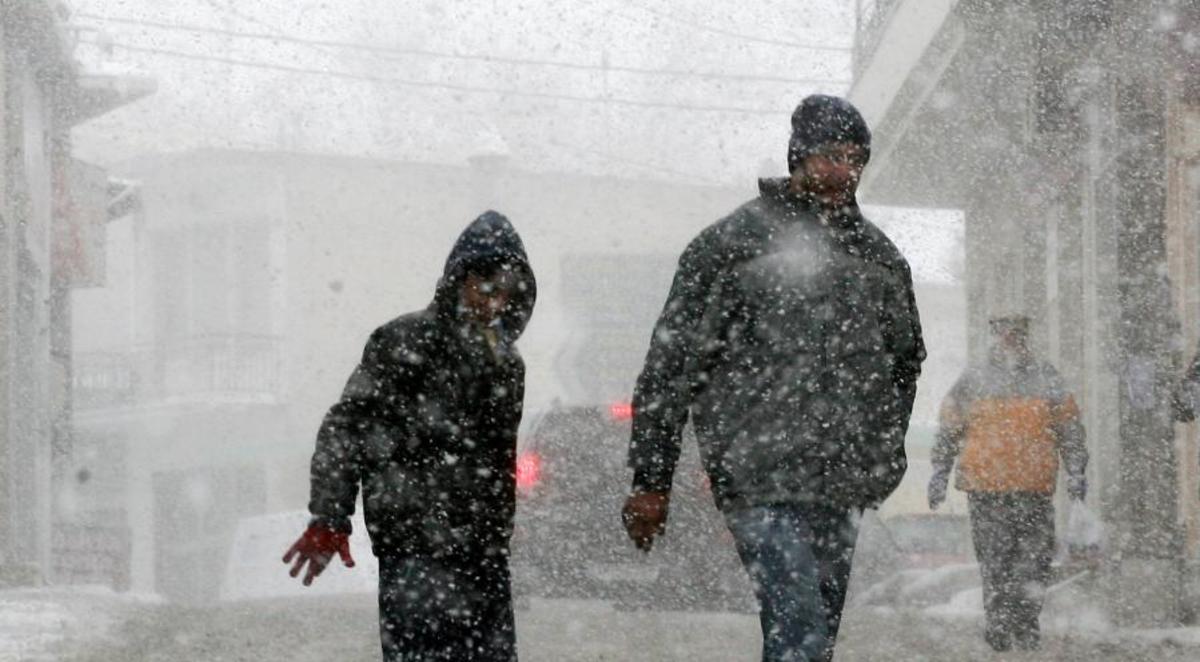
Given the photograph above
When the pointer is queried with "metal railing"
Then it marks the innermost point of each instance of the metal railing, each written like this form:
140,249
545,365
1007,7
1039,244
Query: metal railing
239,366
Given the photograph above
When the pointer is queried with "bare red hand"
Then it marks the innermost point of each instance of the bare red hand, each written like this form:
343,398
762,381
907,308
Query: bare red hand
316,548
645,517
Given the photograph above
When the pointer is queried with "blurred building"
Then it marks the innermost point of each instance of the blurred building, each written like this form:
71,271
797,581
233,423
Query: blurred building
1069,135
611,302
53,209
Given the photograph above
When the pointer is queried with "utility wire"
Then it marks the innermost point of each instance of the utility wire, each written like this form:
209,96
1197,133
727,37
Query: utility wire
232,10
452,87
737,35
612,158
494,59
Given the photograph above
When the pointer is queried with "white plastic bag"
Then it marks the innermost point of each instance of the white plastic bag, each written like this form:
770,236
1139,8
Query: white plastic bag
1085,532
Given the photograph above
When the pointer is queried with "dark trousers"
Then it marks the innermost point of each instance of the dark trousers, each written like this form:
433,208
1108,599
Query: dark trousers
798,558
435,609
1014,543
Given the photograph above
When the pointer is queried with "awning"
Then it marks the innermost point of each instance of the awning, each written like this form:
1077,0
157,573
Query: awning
94,95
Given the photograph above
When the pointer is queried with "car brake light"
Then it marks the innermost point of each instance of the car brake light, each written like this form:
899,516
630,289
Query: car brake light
621,411
529,471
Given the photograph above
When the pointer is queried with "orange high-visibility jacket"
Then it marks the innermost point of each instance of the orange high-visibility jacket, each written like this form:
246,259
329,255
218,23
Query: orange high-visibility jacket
1008,423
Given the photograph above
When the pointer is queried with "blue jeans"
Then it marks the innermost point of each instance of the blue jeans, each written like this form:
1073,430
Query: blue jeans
798,558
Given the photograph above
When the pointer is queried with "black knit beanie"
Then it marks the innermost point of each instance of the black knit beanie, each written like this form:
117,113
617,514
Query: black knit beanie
820,120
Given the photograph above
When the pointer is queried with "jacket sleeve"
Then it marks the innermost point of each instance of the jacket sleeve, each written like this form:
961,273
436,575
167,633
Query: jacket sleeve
369,406
663,392
905,349
952,428
905,344
1072,441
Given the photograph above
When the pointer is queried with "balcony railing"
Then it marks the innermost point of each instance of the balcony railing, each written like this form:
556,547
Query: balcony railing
104,379
242,367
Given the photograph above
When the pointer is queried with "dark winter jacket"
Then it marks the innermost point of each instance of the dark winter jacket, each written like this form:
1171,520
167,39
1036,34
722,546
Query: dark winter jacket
791,335
427,424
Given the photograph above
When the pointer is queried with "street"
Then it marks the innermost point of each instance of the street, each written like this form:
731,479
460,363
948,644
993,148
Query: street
343,629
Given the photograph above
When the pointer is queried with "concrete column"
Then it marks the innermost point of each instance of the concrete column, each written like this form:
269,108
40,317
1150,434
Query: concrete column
7,298
1146,551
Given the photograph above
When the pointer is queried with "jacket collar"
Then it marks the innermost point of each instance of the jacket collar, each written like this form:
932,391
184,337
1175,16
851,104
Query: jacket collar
845,221
777,191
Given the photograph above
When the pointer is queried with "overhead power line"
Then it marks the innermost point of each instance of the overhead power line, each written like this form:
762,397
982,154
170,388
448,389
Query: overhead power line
737,35
612,158
231,9
451,87
472,57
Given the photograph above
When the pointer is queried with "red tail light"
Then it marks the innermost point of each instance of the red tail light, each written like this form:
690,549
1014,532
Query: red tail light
529,471
621,411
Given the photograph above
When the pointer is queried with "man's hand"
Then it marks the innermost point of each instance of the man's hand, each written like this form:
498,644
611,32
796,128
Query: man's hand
937,489
645,517
1077,487
316,548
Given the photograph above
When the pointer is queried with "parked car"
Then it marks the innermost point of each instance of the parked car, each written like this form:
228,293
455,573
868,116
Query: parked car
569,541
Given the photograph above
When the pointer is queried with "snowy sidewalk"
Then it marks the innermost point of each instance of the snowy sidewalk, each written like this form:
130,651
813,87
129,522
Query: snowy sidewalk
938,615
343,628
37,624
931,617
879,634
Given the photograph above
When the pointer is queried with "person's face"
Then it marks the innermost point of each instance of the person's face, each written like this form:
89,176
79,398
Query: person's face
484,298
1011,340
831,175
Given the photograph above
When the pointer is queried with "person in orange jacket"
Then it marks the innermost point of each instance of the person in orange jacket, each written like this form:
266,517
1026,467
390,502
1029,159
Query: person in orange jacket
1009,423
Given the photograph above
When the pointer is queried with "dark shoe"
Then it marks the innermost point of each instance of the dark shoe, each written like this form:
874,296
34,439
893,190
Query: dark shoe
999,641
1028,641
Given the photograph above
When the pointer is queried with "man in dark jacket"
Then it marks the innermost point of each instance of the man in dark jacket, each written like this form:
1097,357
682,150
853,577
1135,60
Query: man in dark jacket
427,425
791,336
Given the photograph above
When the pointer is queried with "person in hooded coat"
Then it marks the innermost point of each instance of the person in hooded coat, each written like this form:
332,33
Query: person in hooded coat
427,428
791,338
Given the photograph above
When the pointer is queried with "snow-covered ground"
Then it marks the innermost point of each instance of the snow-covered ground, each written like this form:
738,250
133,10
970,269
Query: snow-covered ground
922,615
342,628
40,624
937,614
